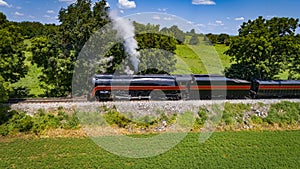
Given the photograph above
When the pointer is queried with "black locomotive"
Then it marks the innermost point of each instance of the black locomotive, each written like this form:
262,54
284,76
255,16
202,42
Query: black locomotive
194,86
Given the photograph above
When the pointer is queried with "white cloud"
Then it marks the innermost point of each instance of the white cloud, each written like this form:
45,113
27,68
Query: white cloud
239,19
122,11
67,1
162,9
18,14
31,17
50,12
47,16
228,18
212,24
168,18
156,17
125,4
203,2
3,3
200,25
190,22
219,22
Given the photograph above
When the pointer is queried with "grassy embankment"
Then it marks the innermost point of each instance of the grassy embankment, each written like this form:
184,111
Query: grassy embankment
201,59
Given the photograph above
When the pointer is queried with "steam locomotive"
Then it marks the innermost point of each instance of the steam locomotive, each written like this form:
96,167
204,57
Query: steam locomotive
193,87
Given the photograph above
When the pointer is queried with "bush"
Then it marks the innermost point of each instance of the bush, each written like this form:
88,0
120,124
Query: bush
16,122
283,113
202,117
5,114
45,121
71,122
234,113
112,116
256,119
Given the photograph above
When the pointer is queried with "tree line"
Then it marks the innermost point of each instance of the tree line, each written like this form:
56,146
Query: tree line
262,49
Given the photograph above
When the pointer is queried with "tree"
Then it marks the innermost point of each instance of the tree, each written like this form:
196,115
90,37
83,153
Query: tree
57,51
263,47
294,66
212,38
3,20
157,53
56,70
194,40
12,66
174,31
12,58
3,90
223,39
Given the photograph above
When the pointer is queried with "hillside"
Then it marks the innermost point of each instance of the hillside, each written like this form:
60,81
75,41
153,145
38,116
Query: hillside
201,59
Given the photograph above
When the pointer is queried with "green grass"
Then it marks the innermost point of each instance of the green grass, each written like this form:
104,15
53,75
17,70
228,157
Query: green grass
201,58
280,149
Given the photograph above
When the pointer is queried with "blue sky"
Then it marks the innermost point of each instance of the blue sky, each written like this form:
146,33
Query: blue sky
216,16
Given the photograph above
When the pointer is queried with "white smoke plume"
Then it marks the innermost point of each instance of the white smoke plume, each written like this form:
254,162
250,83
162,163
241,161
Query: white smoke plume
125,31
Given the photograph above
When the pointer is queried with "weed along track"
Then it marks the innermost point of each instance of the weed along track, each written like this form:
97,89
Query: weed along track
157,116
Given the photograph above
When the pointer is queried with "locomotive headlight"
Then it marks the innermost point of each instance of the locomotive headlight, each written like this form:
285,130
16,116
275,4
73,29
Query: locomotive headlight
93,82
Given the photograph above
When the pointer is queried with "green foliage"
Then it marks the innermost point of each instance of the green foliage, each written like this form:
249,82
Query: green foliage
211,38
3,90
284,113
57,69
12,58
3,20
223,39
5,114
256,120
156,49
202,117
155,61
239,71
175,32
233,113
43,121
12,66
30,29
13,122
264,48
67,121
113,117
57,50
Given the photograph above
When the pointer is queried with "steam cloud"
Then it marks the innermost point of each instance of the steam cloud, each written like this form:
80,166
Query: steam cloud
125,31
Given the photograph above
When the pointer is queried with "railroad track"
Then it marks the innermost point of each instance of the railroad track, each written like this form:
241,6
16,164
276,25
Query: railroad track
70,100
44,100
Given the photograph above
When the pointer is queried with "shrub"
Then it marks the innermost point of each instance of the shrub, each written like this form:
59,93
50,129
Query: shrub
5,114
256,119
17,122
283,113
112,116
71,122
43,121
234,113
202,117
